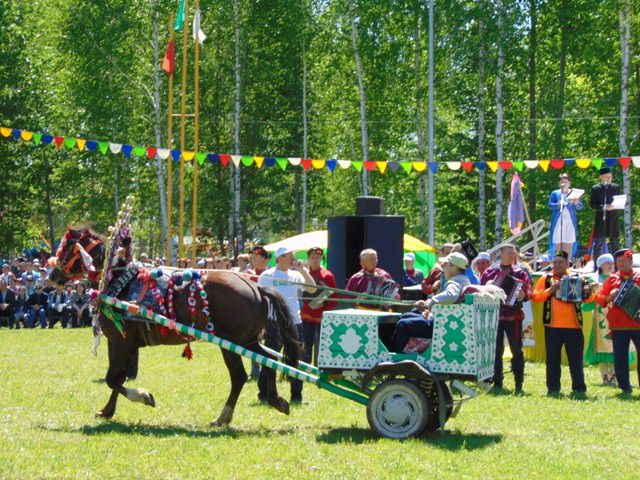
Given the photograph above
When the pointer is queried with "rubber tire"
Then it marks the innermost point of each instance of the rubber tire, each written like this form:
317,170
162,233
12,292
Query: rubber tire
413,402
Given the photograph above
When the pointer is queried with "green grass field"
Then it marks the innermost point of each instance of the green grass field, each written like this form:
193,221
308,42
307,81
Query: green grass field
51,386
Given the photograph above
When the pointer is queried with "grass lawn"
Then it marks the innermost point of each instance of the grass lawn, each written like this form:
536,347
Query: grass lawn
51,385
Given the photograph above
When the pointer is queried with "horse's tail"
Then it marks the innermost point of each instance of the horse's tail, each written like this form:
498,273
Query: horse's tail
284,322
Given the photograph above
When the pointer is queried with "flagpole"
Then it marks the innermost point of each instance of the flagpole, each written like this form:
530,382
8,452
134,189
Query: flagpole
536,251
183,112
196,102
169,158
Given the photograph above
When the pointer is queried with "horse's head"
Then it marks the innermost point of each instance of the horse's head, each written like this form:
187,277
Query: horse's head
81,251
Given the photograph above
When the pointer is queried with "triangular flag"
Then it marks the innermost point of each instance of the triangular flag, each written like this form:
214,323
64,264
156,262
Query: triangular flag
493,166
175,155
331,165
557,164
139,151
468,166
625,162
59,141
163,153
419,166
91,146
544,164
282,163
5,132
26,135
16,134
37,138
393,166
382,166
179,17
258,161
531,164
583,162
505,165
295,161
344,164
169,61
47,139
636,161
200,157
306,164
569,162
481,166
246,160
188,156
235,159
126,150
269,161
518,166
357,165
406,166
214,158
454,165
103,146
433,166
369,165
115,147
318,164
611,162
81,143
70,142
151,152
224,159
597,162
198,34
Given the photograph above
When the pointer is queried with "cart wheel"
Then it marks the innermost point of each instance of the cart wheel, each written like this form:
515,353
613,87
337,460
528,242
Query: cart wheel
398,409
433,423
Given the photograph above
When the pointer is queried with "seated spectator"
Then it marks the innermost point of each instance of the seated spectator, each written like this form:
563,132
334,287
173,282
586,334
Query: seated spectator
80,310
7,305
208,264
243,263
30,272
58,307
411,275
15,268
6,273
37,307
467,249
418,322
30,285
21,308
433,282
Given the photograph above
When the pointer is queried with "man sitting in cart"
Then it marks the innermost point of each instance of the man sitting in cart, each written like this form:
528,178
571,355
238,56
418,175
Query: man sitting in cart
418,323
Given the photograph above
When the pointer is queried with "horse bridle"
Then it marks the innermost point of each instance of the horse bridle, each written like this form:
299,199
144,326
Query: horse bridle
77,256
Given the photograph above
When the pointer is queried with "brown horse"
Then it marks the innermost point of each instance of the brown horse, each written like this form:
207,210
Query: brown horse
240,310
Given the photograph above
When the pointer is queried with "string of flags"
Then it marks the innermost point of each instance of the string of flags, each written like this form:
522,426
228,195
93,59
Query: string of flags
223,160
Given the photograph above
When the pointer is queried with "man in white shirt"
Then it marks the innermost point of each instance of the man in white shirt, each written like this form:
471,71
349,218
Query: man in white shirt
286,277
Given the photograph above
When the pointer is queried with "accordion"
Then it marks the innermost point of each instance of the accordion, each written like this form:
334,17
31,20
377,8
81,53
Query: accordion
628,299
382,287
571,289
511,285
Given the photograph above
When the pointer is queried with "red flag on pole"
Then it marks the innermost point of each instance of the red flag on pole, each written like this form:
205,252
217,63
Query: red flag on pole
168,64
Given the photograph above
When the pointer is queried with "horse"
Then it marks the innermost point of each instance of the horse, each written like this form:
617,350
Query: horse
239,308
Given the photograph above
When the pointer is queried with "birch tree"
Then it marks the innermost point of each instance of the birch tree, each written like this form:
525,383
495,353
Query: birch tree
417,64
482,175
624,18
235,222
499,125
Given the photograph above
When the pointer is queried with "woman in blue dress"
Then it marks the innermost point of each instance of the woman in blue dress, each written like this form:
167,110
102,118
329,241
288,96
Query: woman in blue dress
564,219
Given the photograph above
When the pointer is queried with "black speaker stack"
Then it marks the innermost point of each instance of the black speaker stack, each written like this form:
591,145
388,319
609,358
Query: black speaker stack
369,228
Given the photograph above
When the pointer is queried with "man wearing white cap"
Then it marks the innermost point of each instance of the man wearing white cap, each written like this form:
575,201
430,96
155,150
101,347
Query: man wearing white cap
481,263
286,278
418,323
411,275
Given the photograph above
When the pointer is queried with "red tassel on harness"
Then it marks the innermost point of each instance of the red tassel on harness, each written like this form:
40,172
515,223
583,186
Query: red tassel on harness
187,352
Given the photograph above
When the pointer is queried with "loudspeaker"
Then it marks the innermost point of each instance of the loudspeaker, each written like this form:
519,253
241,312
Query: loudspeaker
349,235
344,244
369,206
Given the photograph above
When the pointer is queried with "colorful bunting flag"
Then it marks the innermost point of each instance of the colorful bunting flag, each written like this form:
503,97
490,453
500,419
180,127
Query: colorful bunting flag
169,61
177,26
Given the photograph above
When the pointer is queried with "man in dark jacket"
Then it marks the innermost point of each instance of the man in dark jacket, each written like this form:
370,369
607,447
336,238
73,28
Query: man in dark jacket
7,303
37,308
607,225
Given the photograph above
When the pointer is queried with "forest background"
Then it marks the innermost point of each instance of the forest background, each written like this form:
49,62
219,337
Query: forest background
514,80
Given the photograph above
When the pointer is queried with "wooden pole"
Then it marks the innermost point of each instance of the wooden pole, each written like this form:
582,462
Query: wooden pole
196,102
169,158
183,112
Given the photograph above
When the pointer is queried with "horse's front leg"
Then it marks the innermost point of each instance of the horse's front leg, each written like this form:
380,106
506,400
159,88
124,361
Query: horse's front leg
238,375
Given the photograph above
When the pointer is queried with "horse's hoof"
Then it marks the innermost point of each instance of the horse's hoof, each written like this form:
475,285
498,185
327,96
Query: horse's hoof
225,417
104,415
219,423
151,401
281,405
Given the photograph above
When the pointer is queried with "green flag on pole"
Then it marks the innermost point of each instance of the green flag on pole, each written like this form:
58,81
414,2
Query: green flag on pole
177,26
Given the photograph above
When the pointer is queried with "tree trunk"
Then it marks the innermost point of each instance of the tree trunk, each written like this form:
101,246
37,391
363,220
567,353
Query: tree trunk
47,187
499,126
235,222
482,177
417,64
305,131
431,186
533,128
563,19
363,100
158,124
624,16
